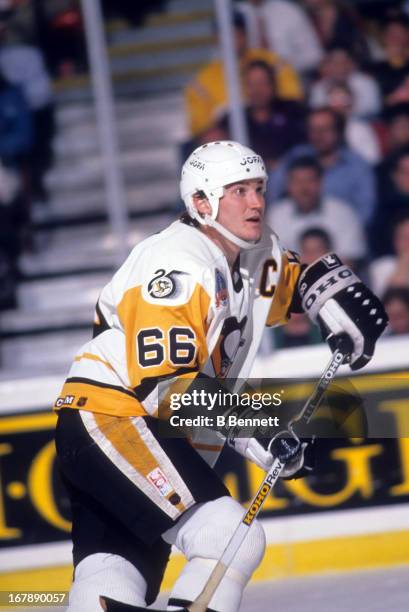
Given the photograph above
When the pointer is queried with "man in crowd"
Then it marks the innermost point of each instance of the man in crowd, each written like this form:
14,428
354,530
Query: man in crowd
345,174
284,28
393,201
396,302
339,66
307,207
393,270
314,243
397,127
360,135
338,24
206,95
395,134
273,125
23,65
392,73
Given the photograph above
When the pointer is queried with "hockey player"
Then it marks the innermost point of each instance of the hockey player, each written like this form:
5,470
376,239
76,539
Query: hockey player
189,301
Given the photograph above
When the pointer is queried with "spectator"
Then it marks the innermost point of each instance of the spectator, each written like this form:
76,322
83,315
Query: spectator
274,125
15,142
337,23
15,138
299,331
392,73
206,96
395,135
15,125
284,28
397,126
10,242
359,135
23,65
393,270
346,175
393,202
132,11
314,243
396,302
306,208
339,66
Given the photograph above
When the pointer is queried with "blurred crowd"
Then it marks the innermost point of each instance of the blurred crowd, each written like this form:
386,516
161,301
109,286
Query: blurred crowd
26,132
325,84
40,40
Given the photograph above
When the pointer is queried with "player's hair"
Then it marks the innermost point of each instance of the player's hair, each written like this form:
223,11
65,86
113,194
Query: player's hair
188,220
339,120
317,232
306,161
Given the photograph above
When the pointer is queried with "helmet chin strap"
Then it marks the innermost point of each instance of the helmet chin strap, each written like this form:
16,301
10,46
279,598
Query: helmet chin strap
243,244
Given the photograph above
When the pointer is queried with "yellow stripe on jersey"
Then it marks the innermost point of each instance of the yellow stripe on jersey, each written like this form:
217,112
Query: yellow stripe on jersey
284,291
136,452
160,340
93,358
100,399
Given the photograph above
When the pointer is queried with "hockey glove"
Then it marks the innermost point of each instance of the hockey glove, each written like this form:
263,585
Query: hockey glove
298,456
339,302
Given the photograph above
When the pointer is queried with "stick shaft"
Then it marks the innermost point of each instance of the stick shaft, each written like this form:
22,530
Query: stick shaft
315,398
202,601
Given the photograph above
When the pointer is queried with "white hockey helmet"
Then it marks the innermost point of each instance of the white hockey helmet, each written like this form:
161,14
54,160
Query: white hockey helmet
209,169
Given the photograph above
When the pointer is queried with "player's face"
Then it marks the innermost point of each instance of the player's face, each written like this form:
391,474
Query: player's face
241,209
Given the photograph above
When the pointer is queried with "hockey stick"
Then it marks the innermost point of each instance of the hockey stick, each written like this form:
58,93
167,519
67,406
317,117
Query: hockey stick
202,601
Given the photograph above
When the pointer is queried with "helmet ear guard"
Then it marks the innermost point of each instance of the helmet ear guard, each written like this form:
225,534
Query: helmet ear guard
212,197
209,169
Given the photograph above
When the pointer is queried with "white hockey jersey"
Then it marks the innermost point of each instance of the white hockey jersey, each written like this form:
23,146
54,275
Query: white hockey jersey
174,308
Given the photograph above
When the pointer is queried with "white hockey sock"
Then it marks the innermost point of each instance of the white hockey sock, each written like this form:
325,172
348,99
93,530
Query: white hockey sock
109,575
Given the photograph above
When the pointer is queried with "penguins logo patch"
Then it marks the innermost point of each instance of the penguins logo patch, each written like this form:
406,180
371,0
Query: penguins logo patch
163,285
